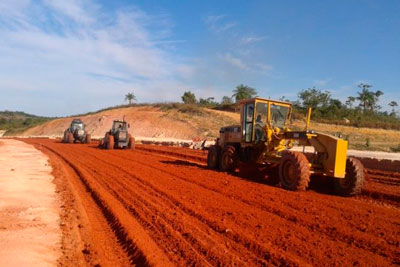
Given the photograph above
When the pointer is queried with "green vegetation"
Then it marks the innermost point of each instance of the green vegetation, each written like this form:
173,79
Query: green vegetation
329,110
16,121
243,92
189,98
358,111
130,97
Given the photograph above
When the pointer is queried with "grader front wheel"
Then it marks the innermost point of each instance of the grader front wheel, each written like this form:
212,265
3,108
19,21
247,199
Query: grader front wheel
294,171
228,160
353,182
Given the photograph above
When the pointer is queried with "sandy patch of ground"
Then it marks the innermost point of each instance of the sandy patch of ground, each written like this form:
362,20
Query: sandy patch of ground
29,216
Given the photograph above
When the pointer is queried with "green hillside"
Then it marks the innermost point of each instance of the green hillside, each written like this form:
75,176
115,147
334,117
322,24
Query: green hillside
17,121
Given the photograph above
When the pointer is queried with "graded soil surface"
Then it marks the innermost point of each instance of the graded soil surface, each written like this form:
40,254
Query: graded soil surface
162,206
29,209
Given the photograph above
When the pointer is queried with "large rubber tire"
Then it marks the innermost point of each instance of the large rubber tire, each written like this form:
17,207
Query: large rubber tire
110,142
213,157
64,139
101,143
131,143
228,159
70,138
294,171
353,182
88,139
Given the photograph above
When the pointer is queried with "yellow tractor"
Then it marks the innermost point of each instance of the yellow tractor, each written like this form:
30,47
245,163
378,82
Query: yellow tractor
264,138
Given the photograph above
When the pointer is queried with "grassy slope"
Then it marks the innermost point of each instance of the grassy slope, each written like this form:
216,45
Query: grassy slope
14,122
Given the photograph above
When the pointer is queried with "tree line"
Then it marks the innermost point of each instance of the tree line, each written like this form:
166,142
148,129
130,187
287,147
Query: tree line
311,97
360,110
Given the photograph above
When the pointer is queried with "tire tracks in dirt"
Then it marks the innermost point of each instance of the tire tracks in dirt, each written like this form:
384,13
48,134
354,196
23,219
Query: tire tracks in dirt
202,217
295,217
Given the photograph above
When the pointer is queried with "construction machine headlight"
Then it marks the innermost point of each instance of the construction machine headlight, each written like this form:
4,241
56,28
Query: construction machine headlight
81,132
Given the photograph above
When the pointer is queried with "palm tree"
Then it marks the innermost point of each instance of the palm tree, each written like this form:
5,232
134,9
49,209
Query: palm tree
366,97
243,92
393,104
130,97
349,101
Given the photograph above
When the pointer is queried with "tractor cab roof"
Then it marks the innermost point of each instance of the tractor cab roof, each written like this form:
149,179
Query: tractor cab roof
77,121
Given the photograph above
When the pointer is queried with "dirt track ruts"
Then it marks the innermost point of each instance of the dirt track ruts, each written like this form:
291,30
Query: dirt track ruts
170,208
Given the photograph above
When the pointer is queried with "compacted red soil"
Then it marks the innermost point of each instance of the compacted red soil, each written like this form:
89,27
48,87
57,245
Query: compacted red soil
162,206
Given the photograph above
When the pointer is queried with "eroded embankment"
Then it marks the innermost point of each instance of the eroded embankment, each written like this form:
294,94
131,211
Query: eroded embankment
173,209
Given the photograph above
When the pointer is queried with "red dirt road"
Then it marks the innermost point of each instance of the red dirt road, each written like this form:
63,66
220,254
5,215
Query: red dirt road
161,206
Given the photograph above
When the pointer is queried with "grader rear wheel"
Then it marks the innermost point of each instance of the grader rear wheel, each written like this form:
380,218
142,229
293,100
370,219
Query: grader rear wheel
294,171
213,157
228,160
353,182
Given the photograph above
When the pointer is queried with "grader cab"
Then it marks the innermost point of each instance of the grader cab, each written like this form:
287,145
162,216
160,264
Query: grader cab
264,138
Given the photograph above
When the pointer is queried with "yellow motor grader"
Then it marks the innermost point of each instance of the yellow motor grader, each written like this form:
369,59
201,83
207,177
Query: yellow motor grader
263,137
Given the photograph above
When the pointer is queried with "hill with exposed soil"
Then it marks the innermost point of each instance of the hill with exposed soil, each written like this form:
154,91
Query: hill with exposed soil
178,121
147,121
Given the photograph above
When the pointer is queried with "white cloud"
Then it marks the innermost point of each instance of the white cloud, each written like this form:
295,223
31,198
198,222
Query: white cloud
89,59
211,19
319,83
251,66
218,23
76,10
234,61
252,39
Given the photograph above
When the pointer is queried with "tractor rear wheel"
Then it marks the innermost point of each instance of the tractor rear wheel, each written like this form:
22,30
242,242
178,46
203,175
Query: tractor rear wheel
213,157
294,171
70,138
353,182
131,143
88,139
229,159
109,141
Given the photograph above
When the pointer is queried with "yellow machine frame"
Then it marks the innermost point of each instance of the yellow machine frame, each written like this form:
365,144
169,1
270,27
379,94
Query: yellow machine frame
330,153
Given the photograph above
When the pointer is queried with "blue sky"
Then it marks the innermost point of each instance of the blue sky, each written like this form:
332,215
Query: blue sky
66,57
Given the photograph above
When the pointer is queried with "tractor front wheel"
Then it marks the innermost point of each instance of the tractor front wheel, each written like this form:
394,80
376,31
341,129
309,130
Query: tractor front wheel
64,139
213,157
294,171
70,138
353,182
228,160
